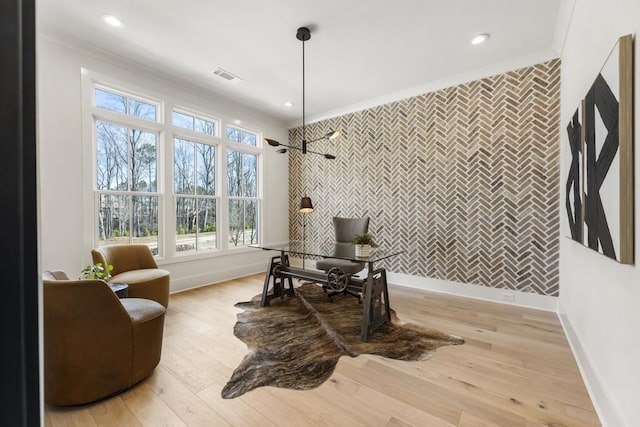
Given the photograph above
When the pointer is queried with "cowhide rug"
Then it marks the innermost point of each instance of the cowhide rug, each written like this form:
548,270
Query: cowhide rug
296,342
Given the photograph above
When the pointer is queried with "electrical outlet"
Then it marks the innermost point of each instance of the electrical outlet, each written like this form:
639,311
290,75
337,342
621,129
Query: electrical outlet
505,296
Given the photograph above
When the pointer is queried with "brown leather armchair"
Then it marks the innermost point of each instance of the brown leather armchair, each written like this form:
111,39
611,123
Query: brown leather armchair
95,344
135,266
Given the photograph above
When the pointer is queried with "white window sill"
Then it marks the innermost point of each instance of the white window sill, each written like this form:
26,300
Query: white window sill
203,256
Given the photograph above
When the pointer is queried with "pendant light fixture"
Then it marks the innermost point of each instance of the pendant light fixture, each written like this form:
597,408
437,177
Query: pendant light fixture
303,35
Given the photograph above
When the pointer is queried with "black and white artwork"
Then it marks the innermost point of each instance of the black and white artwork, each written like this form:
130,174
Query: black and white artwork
605,130
602,172
573,188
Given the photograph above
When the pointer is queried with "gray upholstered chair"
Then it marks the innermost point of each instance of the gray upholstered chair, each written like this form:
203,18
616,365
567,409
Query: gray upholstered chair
346,229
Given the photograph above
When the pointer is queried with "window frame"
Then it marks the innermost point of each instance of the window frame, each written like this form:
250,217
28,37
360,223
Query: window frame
248,149
129,122
237,147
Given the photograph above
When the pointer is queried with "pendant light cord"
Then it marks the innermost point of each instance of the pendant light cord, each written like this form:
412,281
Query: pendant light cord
304,135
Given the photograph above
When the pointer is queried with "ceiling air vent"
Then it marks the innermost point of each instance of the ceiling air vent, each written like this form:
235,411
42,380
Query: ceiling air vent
226,75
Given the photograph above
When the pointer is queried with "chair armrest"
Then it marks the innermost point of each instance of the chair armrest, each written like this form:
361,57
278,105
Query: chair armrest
83,308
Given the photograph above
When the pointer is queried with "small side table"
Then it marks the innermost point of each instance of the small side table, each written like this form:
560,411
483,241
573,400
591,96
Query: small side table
120,289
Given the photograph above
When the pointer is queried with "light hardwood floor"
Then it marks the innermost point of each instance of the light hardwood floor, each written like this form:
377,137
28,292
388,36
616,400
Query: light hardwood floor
516,369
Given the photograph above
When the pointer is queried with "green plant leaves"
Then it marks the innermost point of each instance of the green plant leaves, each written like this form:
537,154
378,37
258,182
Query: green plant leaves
96,271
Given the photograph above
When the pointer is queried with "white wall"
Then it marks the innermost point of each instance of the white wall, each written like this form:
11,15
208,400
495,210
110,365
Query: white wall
599,298
60,149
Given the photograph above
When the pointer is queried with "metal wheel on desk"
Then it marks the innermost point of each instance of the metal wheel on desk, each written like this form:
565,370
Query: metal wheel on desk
277,272
336,280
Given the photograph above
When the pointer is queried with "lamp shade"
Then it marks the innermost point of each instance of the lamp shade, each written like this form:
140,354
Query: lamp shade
305,205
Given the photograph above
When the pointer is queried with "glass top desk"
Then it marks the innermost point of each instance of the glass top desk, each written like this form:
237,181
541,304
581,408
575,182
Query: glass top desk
374,287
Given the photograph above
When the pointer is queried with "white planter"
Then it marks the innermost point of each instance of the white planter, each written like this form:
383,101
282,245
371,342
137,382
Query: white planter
362,251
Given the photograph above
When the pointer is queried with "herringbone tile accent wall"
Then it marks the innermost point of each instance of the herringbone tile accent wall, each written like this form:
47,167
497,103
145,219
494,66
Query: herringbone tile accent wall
464,179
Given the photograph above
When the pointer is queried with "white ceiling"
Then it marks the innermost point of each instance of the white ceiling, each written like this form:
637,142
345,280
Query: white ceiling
359,49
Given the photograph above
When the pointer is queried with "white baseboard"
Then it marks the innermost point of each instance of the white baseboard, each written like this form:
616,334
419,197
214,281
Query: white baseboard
522,299
600,397
199,280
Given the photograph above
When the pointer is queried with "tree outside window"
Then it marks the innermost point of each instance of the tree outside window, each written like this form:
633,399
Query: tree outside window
126,184
242,189
194,187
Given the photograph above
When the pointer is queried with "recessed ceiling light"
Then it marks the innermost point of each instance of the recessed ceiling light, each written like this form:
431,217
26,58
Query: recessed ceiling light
114,21
480,38
237,121
288,104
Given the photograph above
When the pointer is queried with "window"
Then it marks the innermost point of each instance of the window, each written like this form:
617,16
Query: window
126,184
242,189
113,101
195,123
194,174
159,179
242,136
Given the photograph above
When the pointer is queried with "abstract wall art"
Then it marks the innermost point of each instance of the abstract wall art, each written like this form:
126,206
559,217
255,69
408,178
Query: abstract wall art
608,161
574,183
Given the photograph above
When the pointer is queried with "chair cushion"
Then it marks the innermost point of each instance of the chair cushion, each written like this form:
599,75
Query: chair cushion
139,276
142,310
348,267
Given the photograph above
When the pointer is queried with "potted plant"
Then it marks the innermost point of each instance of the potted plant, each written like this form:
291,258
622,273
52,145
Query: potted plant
96,271
363,243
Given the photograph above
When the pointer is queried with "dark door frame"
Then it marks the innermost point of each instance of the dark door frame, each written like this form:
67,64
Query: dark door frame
19,358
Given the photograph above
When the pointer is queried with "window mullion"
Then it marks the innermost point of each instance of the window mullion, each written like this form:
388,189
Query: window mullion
122,120
195,191
197,214
224,197
129,178
244,221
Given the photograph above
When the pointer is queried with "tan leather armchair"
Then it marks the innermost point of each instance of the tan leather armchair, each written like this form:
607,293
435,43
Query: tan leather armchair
135,266
95,344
